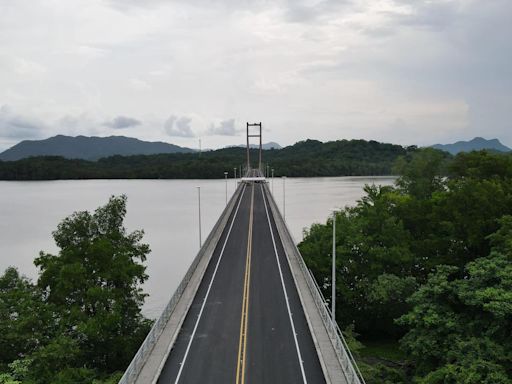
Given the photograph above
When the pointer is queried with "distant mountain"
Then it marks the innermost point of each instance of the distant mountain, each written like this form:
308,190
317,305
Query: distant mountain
269,145
477,144
88,148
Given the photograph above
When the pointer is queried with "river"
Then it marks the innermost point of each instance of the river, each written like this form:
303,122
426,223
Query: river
167,210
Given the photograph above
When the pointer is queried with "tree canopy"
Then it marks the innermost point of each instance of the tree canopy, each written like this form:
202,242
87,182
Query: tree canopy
429,262
82,321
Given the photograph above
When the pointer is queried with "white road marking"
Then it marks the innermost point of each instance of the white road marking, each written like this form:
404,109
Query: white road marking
284,291
208,291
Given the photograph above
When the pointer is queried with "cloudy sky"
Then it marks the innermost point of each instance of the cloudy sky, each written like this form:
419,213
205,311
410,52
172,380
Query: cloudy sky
401,71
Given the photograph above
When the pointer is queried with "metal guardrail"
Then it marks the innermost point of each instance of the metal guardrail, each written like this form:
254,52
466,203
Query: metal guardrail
348,363
337,328
138,361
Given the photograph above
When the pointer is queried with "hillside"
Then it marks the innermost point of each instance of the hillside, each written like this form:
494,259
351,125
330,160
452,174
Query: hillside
269,145
88,148
304,159
476,144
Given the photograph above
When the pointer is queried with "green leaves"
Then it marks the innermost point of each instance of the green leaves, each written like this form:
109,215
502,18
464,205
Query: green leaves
25,319
435,253
82,321
463,321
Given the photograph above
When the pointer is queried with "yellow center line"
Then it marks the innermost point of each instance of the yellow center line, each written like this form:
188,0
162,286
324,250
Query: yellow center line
242,344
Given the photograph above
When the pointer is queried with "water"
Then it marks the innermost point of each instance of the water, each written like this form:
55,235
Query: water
165,209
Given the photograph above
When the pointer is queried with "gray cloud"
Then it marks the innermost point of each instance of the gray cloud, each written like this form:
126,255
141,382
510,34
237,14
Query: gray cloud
429,14
178,126
300,11
349,68
121,122
15,126
225,128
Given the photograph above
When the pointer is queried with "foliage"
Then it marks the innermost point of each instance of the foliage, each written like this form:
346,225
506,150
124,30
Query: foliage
82,321
382,374
95,281
461,324
372,247
305,158
433,251
25,319
421,174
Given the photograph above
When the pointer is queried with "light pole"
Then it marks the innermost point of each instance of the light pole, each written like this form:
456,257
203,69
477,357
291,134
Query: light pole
234,173
333,281
199,204
272,181
284,197
226,178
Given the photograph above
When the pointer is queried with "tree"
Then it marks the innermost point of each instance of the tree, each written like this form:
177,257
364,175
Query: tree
461,324
442,234
25,320
372,264
421,173
94,286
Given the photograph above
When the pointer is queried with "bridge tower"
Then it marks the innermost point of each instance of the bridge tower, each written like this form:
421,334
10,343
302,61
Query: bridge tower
248,147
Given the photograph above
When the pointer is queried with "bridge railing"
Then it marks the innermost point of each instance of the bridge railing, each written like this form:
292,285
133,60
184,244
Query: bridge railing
340,338
138,361
348,363
147,346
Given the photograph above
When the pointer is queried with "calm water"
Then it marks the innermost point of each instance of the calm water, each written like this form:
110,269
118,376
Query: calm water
165,209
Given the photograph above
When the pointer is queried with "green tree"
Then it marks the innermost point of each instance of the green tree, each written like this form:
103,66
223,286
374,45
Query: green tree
460,324
501,240
446,227
421,173
94,286
26,321
373,253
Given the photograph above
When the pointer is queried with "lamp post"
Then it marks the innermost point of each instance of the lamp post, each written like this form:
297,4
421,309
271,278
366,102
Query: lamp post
272,181
333,281
234,173
199,205
284,197
226,178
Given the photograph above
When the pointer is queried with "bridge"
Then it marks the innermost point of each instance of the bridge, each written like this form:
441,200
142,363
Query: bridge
248,309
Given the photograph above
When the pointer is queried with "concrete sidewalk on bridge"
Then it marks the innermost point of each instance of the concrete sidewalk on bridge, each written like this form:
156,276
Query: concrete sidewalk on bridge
331,365
154,364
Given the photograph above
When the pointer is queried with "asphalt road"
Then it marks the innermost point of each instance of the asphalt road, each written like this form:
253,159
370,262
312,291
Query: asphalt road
246,323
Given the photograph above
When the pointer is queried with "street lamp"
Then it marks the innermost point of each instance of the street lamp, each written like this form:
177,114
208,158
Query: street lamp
333,280
272,181
234,172
226,178
284,197
199,205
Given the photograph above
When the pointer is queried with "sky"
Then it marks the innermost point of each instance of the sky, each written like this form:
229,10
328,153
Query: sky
401,71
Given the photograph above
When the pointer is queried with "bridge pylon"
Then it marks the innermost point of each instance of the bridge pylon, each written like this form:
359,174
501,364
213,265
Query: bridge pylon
248,146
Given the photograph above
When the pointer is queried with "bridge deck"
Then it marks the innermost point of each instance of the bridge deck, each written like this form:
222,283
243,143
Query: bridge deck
246,322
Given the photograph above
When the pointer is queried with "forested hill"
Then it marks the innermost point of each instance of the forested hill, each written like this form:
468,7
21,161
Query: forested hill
306,158
88,148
